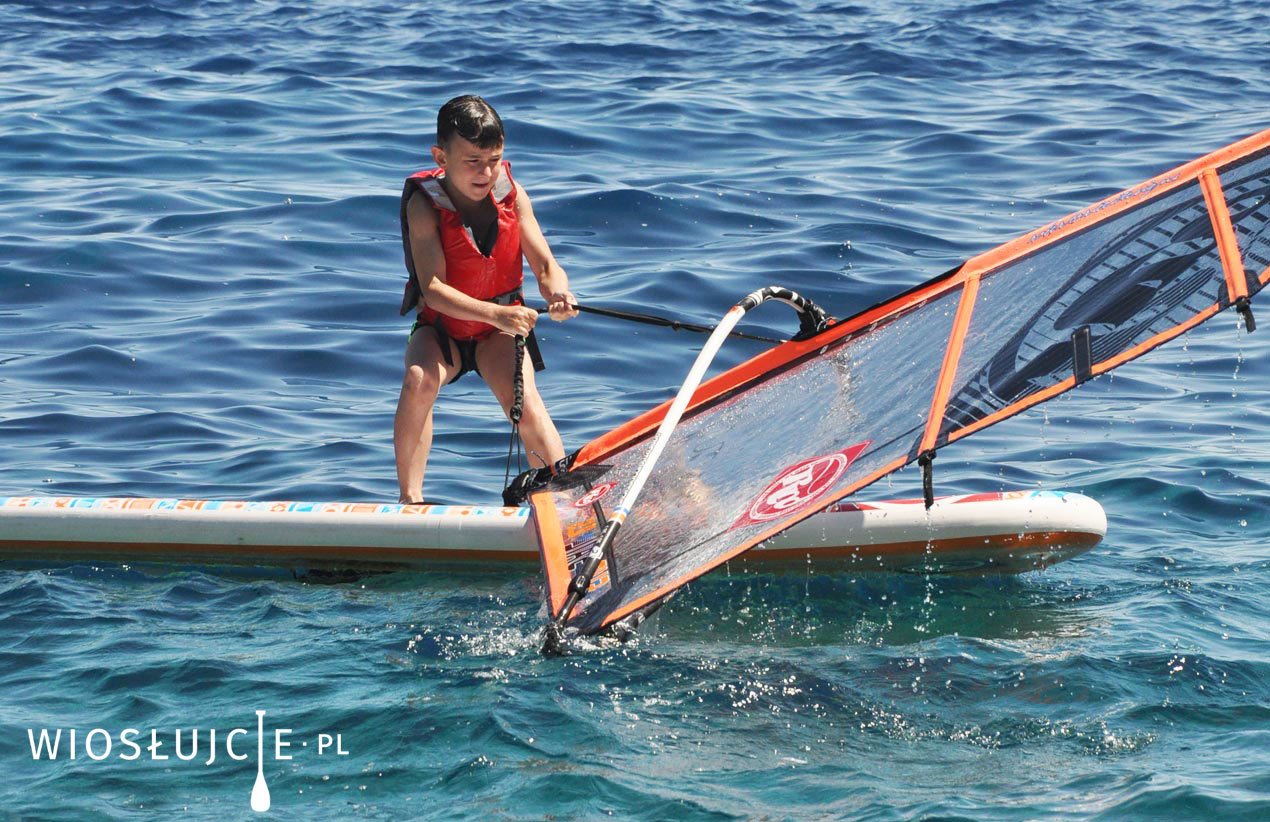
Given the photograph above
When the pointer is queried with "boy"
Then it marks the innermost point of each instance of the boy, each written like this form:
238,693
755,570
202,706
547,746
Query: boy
465,226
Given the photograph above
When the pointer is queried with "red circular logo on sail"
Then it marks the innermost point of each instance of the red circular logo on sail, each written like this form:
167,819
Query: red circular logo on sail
799,485
594,495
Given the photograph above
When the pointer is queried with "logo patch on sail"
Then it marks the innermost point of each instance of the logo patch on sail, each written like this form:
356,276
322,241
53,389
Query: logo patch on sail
800,485
594,495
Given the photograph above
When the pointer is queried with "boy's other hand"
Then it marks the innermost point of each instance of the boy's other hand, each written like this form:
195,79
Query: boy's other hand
517,320
561,306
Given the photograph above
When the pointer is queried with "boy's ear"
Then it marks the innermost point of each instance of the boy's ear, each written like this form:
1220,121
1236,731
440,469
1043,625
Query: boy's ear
438,156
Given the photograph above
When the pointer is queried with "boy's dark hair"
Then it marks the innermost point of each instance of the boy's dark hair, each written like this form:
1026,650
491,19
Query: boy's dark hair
471,118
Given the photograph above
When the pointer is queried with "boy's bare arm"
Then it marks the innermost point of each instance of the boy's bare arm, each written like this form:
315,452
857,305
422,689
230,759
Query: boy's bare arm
513,319
553,283
425,242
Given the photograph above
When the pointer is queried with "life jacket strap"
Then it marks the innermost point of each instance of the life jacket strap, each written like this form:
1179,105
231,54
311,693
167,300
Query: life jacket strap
514,297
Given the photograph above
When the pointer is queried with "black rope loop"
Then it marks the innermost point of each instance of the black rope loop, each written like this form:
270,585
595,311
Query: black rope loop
516,411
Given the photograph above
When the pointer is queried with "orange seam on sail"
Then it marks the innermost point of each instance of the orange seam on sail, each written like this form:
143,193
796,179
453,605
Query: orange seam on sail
604,445
952,356
1115,204
1155,341
1013,408
1227,246
1098,368
555,562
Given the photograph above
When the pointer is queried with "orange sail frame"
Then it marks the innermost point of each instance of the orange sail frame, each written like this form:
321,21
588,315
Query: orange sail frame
938,430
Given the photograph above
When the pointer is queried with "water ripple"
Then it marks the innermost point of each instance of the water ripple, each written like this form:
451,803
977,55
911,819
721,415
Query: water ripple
199,274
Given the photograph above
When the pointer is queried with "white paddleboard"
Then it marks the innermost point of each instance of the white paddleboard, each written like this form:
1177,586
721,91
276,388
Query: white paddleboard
1008,532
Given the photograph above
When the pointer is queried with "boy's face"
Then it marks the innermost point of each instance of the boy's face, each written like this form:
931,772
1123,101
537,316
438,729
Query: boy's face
470,169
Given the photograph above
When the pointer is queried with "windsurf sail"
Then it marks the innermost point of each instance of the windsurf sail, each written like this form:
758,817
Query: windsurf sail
778,438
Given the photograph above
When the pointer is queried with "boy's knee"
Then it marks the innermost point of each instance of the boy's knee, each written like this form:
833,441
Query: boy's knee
420,382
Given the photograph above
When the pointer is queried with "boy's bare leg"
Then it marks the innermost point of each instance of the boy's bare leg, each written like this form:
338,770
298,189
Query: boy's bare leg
496,357
426,372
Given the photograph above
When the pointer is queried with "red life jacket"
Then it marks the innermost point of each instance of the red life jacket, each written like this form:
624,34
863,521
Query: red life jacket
466,268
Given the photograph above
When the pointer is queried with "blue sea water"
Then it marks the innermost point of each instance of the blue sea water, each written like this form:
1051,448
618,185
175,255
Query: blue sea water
199,275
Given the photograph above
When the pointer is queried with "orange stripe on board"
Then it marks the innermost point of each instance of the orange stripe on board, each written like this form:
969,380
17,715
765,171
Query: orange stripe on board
341,554
1098,368
555,562
1232,262
1001,543
648,599
952,356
